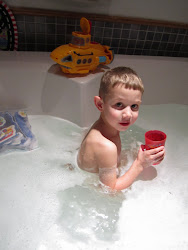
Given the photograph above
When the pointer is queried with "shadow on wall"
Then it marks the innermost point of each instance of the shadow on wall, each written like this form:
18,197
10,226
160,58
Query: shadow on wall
71,96
62,96
53,90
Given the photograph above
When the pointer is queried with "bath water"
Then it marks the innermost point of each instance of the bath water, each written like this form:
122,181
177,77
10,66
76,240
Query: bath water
48,203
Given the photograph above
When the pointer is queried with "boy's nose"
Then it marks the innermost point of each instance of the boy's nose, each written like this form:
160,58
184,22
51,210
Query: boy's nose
127,113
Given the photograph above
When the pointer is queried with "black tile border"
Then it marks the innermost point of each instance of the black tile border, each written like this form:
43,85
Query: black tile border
45,33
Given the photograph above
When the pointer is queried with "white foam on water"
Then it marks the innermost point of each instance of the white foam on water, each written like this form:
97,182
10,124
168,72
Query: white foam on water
47,204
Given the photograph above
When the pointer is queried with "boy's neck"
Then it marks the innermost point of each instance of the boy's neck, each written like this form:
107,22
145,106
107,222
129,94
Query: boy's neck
107,131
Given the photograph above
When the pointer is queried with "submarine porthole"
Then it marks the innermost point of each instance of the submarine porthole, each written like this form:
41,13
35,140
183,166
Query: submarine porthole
78,61
89,60
67,59
84,61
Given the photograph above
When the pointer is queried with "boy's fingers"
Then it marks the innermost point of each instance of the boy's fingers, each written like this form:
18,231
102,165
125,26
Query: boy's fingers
158,160
156,150
161,156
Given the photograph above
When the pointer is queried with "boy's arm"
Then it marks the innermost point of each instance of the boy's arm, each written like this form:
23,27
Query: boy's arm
129,177
107,159
108,173
108,165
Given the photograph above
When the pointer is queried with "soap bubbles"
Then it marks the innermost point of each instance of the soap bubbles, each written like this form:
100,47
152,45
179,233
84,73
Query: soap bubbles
48,203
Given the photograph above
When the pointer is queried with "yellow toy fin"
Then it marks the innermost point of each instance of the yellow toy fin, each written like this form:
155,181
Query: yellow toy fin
85,26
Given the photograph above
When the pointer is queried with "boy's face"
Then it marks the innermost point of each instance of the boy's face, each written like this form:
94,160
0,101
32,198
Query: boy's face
121,107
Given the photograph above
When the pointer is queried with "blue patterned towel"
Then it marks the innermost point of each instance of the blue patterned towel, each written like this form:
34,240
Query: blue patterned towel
15,131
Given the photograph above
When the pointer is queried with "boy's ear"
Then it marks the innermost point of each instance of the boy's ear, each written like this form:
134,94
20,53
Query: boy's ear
98,102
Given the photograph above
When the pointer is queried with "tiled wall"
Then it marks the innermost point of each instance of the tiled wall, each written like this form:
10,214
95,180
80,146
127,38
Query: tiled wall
42,33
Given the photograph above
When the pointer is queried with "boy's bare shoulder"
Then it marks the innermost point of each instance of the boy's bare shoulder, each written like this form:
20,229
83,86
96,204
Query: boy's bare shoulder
96,140
97,152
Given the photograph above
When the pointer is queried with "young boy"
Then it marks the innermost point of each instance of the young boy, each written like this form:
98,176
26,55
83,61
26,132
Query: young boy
119,100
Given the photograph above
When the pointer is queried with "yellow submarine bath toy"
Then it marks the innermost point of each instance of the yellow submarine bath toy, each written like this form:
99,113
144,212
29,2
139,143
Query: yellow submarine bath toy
81,55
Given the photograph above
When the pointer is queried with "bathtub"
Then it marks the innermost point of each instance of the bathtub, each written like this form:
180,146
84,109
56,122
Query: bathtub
48,203
32,80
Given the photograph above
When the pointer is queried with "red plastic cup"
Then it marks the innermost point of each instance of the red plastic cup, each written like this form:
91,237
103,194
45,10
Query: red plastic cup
154,139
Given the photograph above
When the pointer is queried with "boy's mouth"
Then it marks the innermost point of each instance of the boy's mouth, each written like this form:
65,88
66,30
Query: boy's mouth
124,124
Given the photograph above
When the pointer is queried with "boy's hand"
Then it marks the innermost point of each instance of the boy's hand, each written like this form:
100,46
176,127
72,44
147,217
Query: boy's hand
147,158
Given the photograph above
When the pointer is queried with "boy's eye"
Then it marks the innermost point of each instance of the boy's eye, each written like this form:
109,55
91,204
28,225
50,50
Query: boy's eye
135,107
119,105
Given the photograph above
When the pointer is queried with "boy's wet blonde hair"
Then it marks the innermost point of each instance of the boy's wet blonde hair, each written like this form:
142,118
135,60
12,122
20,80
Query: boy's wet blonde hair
120,76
